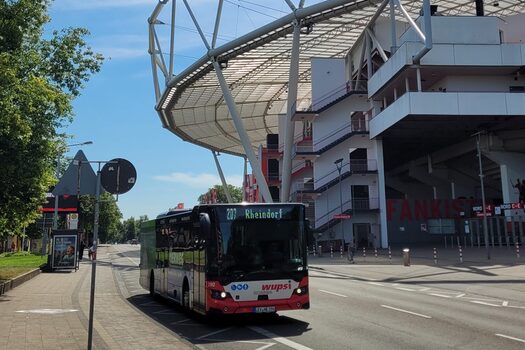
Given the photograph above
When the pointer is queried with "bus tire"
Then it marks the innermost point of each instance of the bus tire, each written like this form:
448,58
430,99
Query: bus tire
152,284
185,301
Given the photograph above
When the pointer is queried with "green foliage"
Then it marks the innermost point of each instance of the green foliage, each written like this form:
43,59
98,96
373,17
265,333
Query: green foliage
109,226
38,80
235,192
22,259
131,227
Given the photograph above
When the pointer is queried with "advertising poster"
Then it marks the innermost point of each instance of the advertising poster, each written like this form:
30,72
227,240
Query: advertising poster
64,251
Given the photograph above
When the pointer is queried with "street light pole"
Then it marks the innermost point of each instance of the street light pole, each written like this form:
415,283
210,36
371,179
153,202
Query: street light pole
339,164
483,203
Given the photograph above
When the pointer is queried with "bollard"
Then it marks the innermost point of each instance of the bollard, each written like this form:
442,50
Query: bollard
406,257
389,254
375,252
320,250
364,252
435,256
331,251
315,251
517,250
460,254
341,250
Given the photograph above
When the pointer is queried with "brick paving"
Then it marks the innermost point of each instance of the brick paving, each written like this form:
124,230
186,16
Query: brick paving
117,324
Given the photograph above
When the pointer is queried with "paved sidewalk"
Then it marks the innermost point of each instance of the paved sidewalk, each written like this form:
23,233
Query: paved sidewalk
503,276
27,319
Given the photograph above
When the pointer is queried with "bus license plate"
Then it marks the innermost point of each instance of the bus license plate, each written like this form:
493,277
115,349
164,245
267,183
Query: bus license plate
264,309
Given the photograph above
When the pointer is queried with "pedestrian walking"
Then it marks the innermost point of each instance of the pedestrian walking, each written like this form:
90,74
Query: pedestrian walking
351,251
520,185
81,248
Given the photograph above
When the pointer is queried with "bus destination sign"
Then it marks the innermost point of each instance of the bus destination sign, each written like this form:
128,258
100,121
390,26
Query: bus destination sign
254,213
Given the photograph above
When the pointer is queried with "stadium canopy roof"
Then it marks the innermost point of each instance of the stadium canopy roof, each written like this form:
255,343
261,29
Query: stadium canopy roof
256,67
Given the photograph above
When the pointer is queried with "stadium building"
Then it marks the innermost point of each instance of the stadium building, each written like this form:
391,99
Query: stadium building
395,121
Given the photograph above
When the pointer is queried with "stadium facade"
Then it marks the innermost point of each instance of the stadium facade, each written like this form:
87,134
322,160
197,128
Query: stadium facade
396,122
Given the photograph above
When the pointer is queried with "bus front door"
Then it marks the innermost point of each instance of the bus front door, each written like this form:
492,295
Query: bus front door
199,280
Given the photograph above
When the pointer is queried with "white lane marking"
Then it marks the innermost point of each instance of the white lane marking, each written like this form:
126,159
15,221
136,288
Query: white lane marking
376,284
424,289
484,303
180,321
505,303
406,311
265,346
339,295
213,333
47,311
460,295
509,337
440,295
278,339
165,312
406,289
516,307
484,299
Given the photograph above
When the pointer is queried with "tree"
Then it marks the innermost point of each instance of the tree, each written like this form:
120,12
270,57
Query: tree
235,192
39,79
109,225
131,227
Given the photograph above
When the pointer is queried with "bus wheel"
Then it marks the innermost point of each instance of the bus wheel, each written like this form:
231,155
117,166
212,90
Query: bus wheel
152,284
186,296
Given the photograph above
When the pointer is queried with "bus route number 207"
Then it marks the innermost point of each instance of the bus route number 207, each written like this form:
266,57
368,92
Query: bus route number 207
231,213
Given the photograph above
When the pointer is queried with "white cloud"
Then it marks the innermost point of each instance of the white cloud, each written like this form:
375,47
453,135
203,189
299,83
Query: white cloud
202,181
122,52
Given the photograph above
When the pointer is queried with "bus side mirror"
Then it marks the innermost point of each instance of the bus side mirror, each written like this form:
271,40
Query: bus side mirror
205,225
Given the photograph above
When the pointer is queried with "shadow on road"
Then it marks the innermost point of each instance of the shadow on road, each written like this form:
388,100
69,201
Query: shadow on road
195,328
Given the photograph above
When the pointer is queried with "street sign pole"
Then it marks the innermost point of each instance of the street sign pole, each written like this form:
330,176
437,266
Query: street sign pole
485,224
94,261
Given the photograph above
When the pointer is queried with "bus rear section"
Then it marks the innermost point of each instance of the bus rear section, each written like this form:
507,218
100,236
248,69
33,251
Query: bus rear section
229,259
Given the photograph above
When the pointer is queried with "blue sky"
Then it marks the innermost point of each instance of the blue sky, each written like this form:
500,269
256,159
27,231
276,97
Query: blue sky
115,110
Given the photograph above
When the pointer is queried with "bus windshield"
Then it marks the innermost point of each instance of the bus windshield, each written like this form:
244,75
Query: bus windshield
254,240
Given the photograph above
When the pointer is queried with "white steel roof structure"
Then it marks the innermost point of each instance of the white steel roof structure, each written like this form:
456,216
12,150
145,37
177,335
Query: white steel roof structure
230,99
192,104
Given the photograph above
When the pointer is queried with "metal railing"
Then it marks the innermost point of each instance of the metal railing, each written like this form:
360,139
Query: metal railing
300,165
357,125
308,148
365,203
363,165
332,95
323,219
345,168
340,91
305,186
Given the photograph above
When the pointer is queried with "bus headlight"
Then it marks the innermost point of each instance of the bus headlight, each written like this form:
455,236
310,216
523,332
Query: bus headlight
301,290
215,294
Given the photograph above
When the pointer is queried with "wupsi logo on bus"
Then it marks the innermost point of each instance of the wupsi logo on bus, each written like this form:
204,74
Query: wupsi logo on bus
276,286
239,286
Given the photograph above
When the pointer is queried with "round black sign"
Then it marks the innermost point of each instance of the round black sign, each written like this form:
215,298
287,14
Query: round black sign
118,176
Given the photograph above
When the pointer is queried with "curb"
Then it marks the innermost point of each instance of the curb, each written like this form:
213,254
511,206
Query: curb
15,282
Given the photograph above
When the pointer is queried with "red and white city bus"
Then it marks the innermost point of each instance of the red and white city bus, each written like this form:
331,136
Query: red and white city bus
228,258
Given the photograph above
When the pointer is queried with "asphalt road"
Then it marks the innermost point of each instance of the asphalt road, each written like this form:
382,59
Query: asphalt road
362,307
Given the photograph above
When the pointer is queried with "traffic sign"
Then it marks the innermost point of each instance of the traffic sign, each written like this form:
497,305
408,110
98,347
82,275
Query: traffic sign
118,176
